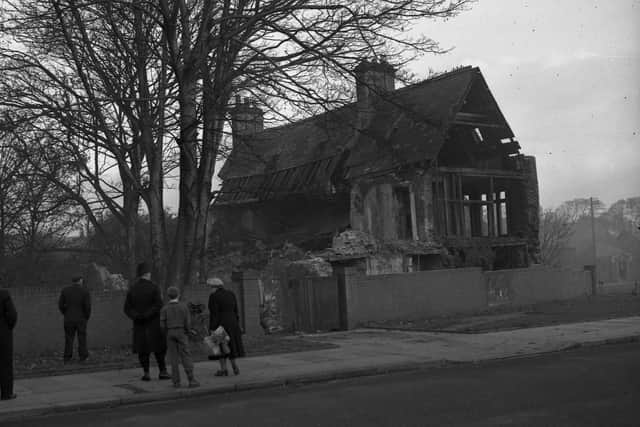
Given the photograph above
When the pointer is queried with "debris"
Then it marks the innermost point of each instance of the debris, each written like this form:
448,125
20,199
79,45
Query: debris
353,242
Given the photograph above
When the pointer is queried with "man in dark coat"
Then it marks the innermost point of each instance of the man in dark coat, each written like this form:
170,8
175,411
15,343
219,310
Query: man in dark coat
8,318
75,305
143,305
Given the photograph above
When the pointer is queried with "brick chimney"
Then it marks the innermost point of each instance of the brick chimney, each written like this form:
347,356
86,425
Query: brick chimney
373,79
246,117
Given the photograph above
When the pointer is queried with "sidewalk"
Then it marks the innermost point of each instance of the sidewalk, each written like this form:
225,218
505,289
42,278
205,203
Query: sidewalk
360,352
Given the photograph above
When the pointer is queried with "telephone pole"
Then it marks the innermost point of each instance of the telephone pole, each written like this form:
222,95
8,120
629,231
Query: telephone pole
594,280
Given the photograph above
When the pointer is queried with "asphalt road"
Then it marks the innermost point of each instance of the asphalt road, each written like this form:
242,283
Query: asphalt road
596,386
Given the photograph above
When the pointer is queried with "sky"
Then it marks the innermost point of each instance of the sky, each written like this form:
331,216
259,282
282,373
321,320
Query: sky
566,75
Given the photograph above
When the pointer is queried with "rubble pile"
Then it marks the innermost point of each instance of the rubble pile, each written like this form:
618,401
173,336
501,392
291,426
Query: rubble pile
353,243
98,277
315,266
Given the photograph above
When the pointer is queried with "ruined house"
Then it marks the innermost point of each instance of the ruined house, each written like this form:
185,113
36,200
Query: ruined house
422,177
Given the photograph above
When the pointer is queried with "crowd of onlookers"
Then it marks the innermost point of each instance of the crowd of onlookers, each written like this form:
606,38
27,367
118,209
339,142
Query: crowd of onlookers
159,327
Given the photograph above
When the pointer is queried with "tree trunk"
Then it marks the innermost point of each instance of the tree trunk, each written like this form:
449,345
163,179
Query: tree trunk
181,265
152,149
212,135
130,216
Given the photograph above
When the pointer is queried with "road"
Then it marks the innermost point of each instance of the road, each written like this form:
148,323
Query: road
596,386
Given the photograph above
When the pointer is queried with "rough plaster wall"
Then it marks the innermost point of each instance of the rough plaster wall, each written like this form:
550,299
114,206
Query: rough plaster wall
385,212
373,209
536,284
371,206
356,212
424,207
414,295
385,264
445,292
40,324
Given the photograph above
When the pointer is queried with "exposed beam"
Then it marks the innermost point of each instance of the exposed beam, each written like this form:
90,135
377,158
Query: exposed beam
510,147
496,173
476,120
472,117
478,124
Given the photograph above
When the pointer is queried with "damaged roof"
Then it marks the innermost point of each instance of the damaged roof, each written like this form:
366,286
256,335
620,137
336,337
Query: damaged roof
408,125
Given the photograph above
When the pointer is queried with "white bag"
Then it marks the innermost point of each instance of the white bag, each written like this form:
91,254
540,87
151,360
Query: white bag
212,346
220,332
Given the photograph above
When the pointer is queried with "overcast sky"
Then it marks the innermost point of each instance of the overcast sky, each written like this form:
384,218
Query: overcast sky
566,74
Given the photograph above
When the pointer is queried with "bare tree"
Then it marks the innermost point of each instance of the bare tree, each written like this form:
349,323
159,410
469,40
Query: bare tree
581,207
10,200
277,50
83,77
34,213
556,228
112,76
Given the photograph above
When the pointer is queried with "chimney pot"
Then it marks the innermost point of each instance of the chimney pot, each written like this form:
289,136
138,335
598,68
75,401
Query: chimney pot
248,119
374,78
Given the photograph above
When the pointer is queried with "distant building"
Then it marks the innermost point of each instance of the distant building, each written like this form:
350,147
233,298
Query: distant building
617,250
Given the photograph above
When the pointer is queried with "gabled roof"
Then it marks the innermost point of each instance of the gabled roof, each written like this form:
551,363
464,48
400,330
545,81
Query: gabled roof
408,125
296,144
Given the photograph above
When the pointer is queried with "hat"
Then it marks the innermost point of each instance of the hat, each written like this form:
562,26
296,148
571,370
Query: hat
215,282
143,268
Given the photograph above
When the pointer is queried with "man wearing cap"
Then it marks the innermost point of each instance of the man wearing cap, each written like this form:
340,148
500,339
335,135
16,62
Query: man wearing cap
143,305
75,305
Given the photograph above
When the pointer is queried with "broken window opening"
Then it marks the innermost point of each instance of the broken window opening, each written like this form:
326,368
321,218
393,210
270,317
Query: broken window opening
404,221
424,262
467,217
502,214
484,225
473,206
495,224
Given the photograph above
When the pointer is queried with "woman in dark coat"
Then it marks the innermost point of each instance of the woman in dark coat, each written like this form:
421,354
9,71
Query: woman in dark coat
223,311
143,305
8,317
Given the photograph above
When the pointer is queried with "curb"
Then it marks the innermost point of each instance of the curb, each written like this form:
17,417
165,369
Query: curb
323,377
